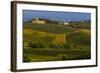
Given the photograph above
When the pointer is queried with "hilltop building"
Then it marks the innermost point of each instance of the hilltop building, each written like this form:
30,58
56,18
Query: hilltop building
43,21
66,23
39,21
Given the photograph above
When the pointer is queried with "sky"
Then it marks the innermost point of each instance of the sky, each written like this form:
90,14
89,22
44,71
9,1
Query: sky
56,15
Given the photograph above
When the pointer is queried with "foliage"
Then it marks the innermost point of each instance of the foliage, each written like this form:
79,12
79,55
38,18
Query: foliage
42,54
51,28
79,39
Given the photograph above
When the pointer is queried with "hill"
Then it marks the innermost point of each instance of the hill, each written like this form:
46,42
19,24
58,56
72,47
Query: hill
55,42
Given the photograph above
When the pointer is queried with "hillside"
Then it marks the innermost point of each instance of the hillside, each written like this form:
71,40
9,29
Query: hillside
53,42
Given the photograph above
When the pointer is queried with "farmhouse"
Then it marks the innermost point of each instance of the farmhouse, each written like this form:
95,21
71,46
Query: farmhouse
39,21
66,23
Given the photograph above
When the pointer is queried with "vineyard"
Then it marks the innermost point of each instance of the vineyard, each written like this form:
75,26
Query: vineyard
54,42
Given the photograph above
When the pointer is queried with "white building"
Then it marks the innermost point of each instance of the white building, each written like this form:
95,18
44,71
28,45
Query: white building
66,23
38,21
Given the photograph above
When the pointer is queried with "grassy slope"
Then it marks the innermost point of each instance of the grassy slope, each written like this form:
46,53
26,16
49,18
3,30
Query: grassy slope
34,35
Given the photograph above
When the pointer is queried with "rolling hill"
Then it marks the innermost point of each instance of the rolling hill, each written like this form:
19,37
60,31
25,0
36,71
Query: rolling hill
54,42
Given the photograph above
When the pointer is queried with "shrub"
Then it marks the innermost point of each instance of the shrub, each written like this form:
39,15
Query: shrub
66,46
53,45
36,45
